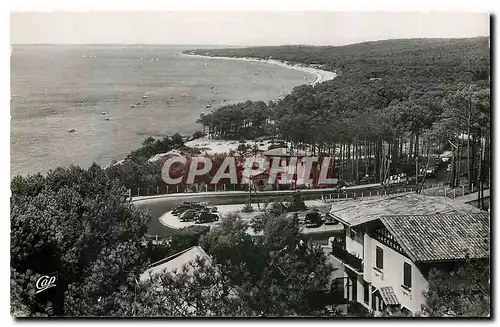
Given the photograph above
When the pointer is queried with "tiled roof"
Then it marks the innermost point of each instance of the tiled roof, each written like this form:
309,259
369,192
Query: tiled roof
388,295
359,211
176,262
441,237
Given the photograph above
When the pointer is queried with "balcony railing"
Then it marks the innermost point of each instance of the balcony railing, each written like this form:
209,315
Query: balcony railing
348,258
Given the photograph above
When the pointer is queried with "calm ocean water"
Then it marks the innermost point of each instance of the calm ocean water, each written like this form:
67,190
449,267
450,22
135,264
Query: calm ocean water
144,90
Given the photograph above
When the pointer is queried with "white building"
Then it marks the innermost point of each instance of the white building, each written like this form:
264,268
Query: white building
175,263
391,243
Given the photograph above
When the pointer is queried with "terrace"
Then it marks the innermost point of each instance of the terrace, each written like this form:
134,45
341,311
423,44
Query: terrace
349,259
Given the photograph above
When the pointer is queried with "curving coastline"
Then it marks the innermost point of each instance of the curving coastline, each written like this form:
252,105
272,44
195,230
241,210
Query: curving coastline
321,75
216,146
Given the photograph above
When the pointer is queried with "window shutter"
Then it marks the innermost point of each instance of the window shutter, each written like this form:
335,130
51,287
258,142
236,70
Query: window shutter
407,274
379,258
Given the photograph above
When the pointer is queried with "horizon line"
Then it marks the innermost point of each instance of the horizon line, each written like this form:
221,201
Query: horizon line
241,45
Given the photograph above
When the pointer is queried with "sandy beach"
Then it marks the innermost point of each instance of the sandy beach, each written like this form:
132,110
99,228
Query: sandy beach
321,75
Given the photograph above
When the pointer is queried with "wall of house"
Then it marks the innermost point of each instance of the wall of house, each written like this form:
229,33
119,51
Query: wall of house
392,274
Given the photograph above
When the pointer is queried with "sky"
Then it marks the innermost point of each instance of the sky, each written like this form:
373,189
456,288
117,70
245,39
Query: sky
240,28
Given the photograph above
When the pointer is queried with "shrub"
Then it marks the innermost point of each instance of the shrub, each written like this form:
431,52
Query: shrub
197,135
247,208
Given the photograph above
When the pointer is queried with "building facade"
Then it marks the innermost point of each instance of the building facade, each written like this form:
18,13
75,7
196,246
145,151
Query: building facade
386,258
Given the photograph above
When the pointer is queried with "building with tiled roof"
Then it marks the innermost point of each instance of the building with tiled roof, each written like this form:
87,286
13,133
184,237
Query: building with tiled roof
391,243
441,237
352,213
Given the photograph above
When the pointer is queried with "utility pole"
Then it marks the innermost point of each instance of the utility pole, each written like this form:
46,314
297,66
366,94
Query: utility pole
480,174
416,161
425,172
468,146
453,177
256,195
250,190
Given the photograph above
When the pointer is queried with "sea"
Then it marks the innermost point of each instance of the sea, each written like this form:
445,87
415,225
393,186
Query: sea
96,103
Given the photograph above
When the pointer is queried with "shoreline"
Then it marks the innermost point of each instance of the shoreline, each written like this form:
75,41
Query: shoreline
212,146
320,75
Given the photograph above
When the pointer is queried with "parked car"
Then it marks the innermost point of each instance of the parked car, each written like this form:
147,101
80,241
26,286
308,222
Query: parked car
329,220
207,206
188,215
341,189
367,180
181,208
313,219
206,217
211,208
430,172
185,206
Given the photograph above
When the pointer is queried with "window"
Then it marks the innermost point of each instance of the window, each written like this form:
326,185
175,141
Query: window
366,296
379,258
407,275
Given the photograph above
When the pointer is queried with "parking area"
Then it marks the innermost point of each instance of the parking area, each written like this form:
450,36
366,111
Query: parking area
170,220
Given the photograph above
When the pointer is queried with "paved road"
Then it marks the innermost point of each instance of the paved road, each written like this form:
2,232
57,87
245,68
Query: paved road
160,204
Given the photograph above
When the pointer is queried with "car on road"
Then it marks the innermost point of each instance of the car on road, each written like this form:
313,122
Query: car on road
313,219
188,215
430,172
181,208
206,217
367,180
185,206
211,208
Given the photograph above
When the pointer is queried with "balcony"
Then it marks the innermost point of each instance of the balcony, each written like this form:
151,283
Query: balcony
348,259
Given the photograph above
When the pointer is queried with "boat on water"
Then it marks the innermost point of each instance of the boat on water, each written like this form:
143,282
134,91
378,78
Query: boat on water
72,130
104,112
144,96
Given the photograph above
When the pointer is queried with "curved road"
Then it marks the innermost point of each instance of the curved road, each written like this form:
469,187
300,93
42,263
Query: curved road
159,204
